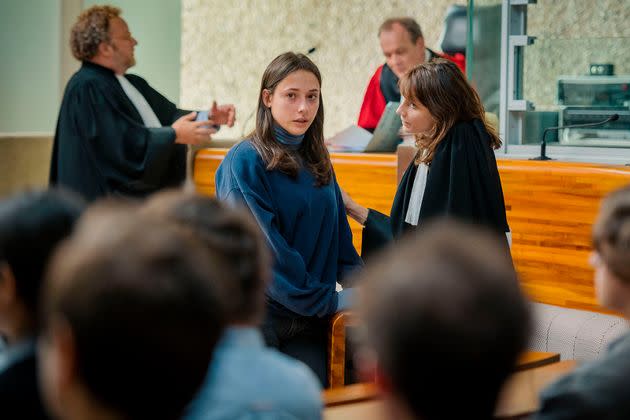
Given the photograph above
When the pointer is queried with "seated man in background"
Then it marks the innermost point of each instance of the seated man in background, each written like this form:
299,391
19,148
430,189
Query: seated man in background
115,133
599,389
31,226
246,379
445,320
131,319
403,47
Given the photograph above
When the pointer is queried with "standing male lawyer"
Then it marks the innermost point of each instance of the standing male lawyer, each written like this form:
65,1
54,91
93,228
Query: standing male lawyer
116,135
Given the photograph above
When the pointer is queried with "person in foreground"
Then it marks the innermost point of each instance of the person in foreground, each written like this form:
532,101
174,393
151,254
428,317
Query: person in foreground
116,135
454,172
246,379
284,175
32,224
131,319
445,322
599,389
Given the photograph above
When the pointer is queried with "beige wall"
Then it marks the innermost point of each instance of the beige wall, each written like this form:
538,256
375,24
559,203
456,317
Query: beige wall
571,34
24,162
227,45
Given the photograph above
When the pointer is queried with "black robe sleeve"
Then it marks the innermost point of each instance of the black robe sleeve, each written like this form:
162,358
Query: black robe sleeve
380,229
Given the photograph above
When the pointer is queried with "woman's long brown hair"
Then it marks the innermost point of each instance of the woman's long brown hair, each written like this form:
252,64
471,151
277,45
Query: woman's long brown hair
441,87
313,151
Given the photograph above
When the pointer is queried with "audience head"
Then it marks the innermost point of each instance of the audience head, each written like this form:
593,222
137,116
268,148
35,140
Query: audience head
290,99
446,321
228,234
100,35
131,318
435,96
31,226
611,256
402,44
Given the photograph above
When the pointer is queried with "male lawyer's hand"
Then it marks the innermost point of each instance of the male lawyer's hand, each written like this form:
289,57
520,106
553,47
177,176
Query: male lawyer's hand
222,114
189,131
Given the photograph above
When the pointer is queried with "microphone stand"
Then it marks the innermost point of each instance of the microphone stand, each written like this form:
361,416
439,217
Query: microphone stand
543,143
543,146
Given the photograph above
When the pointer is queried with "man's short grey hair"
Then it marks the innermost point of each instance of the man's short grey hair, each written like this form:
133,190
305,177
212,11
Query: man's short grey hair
410,25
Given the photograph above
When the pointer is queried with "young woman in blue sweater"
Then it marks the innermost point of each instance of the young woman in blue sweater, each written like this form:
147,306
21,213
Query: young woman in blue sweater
282,172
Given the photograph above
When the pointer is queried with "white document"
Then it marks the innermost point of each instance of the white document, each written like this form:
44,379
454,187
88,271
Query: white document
351,139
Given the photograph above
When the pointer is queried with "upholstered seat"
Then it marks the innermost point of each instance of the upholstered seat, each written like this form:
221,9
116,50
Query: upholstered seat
575,334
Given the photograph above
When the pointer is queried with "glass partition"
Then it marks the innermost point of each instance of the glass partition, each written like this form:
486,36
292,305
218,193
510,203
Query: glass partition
483,51
577,81
541,64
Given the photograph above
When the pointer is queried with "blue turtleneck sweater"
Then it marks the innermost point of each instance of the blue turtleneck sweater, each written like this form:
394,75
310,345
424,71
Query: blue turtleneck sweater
305,226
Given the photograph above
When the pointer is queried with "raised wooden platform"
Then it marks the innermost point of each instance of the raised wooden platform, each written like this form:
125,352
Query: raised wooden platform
550,207
369,178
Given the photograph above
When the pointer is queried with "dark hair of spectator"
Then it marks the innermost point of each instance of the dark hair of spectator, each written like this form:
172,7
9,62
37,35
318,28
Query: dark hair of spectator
446,317
32,224
235,237
139,298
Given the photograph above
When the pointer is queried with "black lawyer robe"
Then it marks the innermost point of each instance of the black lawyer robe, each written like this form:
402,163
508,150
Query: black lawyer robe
102,146
463,182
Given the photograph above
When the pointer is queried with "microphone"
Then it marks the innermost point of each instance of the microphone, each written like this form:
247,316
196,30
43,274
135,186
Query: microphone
543,143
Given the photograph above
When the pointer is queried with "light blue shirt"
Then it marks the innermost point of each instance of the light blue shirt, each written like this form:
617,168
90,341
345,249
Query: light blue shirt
12,354
247,380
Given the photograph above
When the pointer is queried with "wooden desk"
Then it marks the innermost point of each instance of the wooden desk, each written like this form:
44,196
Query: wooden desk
534,359
358,401
520,395
521,392
350,394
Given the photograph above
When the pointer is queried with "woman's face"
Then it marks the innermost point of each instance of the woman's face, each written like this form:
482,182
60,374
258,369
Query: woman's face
294,102
416,118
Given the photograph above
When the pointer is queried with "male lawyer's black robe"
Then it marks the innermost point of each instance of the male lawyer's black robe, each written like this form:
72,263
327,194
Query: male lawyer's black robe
102,146
463,183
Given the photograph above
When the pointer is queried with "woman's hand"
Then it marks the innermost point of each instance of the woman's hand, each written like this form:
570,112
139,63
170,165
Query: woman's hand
354,209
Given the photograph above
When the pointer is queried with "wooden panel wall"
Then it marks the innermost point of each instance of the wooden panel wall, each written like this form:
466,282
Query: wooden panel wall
550,207
369,178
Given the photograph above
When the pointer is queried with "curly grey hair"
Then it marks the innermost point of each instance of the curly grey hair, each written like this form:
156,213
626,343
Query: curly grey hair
90,29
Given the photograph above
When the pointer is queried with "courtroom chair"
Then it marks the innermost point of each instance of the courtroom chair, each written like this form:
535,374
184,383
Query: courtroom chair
576,334
455,31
